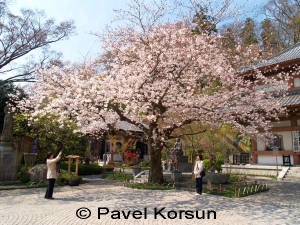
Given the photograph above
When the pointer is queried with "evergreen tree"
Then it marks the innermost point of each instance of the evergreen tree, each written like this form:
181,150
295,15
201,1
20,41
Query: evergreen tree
5,90
229,40
248,35
268,36
204,23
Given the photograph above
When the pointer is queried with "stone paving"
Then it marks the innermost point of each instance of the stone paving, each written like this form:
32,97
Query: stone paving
108,202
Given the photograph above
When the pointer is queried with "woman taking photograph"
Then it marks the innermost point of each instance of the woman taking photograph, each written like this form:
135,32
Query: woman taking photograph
51,173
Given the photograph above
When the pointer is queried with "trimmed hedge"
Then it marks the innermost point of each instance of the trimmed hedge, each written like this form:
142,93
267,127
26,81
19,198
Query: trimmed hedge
83,169
65,177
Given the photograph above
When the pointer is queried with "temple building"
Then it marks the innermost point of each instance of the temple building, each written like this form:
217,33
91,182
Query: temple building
287,130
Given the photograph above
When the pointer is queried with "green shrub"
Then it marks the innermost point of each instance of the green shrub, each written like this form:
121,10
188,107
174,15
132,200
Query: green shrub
206,164
144,164
218,163
83,169
217,166
108,168
65,177
23,175
233,178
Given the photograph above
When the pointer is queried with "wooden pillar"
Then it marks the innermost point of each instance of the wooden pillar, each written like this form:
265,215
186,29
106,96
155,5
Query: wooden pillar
253,151
254,158
76,169
69,165
296,159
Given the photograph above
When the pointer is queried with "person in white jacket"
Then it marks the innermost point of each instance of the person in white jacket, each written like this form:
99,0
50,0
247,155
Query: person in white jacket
197,173
51,173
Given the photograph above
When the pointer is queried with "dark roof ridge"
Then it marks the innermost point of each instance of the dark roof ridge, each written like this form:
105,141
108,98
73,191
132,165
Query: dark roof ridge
283,51
289,54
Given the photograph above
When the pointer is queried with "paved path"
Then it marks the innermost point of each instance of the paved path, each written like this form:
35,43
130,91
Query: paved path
281,205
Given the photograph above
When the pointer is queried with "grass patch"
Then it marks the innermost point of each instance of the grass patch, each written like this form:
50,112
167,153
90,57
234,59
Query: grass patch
269,176
117,176
238,191
233,178
237,177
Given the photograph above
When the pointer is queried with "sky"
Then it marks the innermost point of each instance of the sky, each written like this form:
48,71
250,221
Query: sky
89,16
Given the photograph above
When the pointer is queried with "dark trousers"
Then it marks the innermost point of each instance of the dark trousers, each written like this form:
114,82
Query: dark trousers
49,191
199,185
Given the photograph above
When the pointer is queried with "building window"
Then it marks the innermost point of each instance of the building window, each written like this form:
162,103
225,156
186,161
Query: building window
107,146
276,141
296,82
296,141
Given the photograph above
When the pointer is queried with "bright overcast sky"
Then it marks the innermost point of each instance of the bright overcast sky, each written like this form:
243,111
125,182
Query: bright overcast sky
89,15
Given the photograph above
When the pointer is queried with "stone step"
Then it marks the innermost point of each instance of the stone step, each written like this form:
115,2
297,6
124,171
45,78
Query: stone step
295,168
140,180
293,174
292,179
293,171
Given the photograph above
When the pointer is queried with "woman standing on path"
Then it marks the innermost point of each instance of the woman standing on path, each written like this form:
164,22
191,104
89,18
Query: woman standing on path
51,173
197,173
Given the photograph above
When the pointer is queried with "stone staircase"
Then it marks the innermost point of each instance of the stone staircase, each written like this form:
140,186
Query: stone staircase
293,174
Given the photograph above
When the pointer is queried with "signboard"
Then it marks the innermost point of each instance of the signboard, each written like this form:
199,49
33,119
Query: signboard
35,146
296,143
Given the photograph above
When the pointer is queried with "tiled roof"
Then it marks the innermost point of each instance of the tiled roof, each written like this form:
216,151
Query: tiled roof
290,98
123,125
288,54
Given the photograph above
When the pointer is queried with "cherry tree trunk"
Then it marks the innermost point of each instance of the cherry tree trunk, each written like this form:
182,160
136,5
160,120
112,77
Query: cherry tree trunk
155,171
